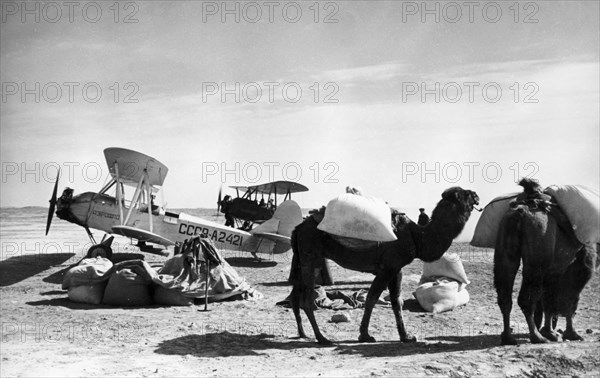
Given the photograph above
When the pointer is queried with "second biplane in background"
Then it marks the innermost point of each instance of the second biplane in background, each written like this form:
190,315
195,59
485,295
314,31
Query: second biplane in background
257,204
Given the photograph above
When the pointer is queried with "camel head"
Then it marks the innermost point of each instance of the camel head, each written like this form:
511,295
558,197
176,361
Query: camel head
462,198
455,202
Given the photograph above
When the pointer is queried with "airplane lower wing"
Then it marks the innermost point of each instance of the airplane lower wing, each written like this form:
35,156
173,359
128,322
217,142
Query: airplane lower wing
142,235
282,243
277,238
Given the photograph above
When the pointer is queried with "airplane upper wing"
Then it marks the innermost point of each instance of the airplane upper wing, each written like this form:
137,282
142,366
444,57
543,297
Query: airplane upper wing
275,187
142,235
132,164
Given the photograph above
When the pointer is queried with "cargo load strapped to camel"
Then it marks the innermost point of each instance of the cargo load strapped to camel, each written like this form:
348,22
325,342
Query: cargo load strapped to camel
580,204
352,218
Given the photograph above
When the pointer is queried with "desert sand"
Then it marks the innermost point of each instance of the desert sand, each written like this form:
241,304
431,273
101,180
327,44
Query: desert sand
45,334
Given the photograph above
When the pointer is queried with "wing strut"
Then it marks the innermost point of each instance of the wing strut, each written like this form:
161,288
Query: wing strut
119,197
134,200
149,189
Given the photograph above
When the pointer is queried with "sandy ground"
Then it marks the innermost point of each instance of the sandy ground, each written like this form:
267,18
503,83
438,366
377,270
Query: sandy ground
44,334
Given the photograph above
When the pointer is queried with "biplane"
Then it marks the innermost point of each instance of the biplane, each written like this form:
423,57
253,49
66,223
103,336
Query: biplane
244,211
139,218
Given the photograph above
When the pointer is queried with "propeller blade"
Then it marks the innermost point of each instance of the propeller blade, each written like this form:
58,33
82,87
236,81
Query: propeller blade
52,203
219,200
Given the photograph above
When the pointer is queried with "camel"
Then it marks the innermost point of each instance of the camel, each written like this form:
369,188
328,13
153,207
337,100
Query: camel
556,266
385,260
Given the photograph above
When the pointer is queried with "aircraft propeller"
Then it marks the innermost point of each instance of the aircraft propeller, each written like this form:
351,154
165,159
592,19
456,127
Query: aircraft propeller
52,203
219,200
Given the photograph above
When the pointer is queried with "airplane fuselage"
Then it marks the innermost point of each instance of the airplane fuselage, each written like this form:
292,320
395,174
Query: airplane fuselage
101,212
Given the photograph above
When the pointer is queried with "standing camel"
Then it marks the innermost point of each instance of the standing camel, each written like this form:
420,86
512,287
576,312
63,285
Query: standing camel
556,266
385,260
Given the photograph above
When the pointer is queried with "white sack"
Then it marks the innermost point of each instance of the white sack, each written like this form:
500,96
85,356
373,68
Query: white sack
359,217
441,295
489,221
582,207
91,294
449,265
87,272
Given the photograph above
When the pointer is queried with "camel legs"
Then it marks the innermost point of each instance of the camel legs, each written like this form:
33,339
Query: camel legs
529,298
549,329
295,299
379,283
570,333
547,308
306,289
395,295
539,315
505,271
297,289
574,280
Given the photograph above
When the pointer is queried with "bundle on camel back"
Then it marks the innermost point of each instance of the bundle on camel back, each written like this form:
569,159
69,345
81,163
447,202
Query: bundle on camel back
385,260
557,260
580,205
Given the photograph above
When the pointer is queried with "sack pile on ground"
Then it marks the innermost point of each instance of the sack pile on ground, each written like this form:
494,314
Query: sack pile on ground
135,283
442,284
85,281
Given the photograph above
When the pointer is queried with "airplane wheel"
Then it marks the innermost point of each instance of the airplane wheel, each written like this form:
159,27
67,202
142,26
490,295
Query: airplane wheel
99,250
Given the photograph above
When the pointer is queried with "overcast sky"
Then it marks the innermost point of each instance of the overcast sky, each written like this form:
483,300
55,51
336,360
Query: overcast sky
482,95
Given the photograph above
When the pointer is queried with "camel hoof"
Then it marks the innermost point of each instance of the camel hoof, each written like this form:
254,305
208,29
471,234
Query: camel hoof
366,339
508,339
408,339
572,336
535,339
549,334
325,341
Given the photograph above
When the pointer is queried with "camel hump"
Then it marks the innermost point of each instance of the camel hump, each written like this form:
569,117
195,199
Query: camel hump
530,186
359,217
582,207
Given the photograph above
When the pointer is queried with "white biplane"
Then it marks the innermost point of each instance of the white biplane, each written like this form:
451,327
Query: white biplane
139,218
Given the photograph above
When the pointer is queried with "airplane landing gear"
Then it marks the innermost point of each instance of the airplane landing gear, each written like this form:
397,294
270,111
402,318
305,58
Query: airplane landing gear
100,250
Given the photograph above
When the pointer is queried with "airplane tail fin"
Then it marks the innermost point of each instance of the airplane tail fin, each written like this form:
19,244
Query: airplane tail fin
279,228
289,216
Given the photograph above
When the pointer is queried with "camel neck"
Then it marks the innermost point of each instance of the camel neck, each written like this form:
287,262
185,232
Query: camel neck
433,239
